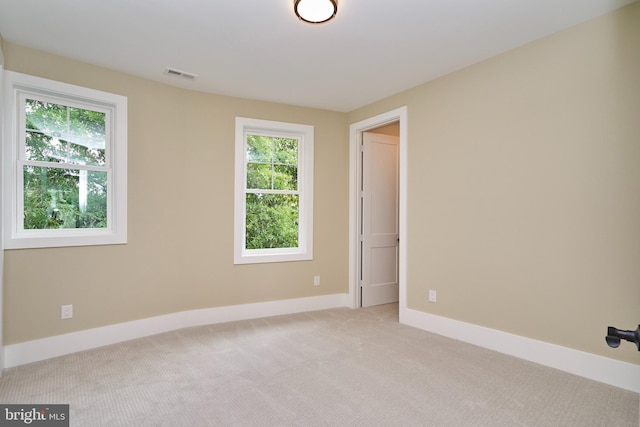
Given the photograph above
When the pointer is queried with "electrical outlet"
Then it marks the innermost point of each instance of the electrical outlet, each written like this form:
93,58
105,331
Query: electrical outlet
316,280
432,296
66,312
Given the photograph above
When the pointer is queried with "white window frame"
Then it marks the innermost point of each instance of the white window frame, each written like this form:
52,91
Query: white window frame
15,236
304,133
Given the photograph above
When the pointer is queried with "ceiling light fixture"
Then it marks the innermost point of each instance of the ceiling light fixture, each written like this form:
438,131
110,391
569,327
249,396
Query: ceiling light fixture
315,11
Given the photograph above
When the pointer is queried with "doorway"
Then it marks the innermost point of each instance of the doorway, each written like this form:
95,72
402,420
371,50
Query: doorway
377,267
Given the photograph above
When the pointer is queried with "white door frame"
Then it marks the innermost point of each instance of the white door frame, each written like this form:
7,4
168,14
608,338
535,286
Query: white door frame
2,142
355,135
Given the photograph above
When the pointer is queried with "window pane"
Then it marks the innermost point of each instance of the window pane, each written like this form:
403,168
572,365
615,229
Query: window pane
285,151
61,134
50,119
271,221
285,177
259,176
87,128
64,198
259,148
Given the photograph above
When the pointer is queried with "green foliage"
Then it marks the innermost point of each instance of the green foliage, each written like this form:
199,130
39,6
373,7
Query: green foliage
272,221
272,218
52,199
55,196
272,163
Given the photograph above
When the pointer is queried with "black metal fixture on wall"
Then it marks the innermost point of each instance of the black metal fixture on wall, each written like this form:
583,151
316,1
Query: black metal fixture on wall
614,336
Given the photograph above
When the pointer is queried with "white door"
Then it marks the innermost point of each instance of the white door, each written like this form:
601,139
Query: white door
379,219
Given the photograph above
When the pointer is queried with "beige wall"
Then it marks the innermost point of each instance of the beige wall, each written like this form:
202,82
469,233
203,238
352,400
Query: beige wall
180,251
524,188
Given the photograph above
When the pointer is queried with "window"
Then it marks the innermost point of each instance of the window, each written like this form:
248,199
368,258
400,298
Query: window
273,191
65,164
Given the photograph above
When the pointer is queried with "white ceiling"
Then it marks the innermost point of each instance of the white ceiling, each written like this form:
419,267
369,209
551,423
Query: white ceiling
258,48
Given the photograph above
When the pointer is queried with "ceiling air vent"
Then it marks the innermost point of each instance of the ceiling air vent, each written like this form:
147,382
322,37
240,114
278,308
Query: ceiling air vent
179,73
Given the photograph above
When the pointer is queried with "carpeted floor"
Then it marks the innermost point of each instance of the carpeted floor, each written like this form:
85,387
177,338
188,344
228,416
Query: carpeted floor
336,367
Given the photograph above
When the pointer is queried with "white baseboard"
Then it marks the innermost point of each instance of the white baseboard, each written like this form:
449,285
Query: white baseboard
59,345
609,371
598,368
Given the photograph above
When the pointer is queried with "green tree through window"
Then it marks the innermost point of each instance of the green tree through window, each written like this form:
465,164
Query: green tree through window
56,194
272,198
273,186
65,164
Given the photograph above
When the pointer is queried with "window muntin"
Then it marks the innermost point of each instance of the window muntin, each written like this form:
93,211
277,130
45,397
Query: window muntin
65,164
274,191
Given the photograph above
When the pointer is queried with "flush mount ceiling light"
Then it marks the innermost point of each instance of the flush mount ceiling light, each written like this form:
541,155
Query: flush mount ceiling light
315,11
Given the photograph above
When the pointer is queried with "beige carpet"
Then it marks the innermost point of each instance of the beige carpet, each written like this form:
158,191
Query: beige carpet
336,367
